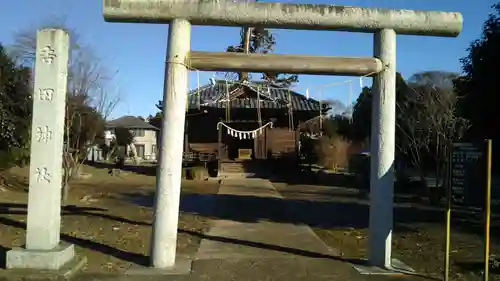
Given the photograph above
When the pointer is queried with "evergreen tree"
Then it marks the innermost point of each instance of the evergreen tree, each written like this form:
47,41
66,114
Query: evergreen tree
262,41
15,111
478,86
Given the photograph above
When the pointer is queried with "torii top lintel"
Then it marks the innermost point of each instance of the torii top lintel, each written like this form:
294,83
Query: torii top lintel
284,16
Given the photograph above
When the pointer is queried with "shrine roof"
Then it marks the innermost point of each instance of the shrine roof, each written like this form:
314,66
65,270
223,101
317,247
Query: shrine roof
215,96
129,122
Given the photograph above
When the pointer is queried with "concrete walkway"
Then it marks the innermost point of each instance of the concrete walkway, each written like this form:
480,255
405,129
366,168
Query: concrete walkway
231,239
265,250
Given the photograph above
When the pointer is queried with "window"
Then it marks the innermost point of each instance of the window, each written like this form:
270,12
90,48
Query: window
153,149
139,132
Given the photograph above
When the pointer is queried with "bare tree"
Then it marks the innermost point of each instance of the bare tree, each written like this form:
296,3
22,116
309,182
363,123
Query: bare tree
90,97
87,76
428,123
24,46
336,106
439,79
90,79
413,133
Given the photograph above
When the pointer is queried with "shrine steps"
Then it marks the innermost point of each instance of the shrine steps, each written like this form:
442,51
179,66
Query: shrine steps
236,169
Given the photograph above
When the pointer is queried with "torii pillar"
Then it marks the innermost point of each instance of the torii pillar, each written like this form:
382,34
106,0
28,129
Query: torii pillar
382,148
384,23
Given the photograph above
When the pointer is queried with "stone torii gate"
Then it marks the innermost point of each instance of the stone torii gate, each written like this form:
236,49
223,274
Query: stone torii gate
181,14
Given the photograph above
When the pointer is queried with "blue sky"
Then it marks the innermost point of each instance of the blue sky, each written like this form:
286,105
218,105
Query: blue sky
137,51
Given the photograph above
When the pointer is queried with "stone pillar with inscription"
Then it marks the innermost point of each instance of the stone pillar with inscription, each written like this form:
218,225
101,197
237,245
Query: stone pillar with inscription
43,248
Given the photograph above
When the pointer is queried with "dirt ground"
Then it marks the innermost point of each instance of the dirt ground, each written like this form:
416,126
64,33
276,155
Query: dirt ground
340,218
108,218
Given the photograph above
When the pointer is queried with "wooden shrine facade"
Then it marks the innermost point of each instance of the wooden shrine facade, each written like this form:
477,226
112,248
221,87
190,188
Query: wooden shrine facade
246,121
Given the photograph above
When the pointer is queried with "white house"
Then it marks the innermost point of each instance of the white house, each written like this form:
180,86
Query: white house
145,135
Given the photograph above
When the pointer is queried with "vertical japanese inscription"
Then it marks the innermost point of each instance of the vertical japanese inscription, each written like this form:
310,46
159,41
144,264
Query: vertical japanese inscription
42,174
47,55
46,94
43,134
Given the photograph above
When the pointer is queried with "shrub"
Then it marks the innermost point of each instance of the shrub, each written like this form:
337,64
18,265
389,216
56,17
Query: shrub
198,173
333,152
14,156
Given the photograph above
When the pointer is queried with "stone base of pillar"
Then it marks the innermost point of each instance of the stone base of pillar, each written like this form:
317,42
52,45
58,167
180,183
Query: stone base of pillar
55,259
398,268
183,266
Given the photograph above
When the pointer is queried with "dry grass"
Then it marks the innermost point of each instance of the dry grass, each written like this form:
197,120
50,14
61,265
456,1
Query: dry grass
333,152
108,218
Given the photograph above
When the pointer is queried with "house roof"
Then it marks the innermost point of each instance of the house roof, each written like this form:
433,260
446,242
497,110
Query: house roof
130,122
270,97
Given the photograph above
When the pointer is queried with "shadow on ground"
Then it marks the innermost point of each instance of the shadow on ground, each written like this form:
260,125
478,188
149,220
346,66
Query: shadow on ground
3,253
293,251
254,209
20,209
478,267
280,172
72,210
148,170
347,212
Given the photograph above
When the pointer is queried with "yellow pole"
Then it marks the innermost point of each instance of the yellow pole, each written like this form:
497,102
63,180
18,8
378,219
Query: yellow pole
448,218
487,213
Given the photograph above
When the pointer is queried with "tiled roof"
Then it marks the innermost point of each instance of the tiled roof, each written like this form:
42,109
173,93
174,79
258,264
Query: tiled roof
271,97
130,122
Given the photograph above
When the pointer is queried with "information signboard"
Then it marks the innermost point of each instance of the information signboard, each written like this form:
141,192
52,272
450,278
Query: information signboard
468,173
